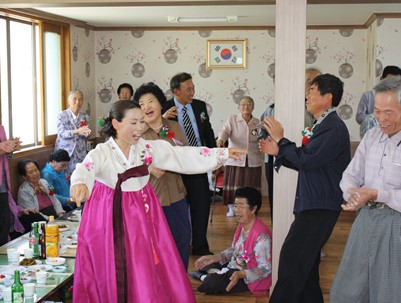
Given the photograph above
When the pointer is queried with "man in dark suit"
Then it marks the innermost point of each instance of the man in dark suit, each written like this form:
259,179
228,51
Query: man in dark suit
200,134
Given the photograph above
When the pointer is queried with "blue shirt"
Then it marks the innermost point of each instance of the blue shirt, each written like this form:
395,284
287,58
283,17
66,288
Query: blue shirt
60,184
191,115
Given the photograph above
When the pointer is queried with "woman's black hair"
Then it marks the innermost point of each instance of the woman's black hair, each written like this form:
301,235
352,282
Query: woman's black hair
125,85
60,155
117,112
252,196
22,166
150,88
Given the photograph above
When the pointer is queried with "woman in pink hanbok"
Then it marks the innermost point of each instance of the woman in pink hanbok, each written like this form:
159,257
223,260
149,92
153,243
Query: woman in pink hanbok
125,249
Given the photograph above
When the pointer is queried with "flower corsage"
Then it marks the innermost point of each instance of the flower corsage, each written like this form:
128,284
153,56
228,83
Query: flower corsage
165,131
51,190
306,134
147,155
243,259
83,122
203,117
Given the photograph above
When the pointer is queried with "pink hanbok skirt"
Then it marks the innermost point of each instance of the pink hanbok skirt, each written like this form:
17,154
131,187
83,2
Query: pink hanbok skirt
155,272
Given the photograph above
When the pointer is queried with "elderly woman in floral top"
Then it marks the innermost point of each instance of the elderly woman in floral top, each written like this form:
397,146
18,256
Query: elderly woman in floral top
73,130
246,265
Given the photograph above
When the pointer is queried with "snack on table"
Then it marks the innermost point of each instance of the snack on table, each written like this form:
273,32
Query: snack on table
27,262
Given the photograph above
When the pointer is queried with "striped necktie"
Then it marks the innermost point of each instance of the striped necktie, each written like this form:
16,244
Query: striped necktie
189,130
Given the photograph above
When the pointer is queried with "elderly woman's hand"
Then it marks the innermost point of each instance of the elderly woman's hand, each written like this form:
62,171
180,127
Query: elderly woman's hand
27,211
235,153
83,131
156,172
79,193
11,145
235,277
206,260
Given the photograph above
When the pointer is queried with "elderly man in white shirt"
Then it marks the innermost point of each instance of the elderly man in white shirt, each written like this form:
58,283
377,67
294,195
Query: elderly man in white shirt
370,270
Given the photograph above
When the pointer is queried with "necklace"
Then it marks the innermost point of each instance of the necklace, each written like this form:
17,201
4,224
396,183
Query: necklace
156,129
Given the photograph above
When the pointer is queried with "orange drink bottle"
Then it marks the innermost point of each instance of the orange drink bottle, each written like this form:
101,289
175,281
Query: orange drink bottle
52,238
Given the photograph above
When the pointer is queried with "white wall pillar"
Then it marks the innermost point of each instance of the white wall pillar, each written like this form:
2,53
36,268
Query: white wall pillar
289,108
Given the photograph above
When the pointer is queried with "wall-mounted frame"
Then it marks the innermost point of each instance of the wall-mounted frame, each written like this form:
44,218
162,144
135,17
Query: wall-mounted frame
226,53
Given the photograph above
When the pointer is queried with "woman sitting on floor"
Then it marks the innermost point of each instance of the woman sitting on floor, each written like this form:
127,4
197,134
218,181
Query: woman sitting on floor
35,193
246,265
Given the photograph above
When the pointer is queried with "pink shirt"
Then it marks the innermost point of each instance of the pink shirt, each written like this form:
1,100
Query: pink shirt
242,135
44,200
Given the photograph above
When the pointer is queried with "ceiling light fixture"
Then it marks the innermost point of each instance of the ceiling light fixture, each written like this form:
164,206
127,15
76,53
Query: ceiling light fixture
202,19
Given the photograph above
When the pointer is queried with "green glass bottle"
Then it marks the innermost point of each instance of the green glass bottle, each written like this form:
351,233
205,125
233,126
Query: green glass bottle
17,290
34,239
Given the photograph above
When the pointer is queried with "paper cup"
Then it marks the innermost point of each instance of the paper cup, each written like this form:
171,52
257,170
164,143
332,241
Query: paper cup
7,297
13,256
29,290
41,277
28,253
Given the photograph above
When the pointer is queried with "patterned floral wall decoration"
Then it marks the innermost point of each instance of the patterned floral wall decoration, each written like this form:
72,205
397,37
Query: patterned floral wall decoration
87,58
344,57
202,70
137,57
75,48
204,33
379,65
106,89
82,76
388,37
105,49
346,32
167,91
240,89
206,96
172,51
345,110
269,58
137,34
312,49
190,47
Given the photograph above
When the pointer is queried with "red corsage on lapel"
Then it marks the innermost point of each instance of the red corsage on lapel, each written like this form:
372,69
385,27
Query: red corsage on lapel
83,122
165,131
306,134
51,190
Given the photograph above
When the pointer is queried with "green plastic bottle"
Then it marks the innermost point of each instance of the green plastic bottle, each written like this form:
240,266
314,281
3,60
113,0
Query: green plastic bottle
17,290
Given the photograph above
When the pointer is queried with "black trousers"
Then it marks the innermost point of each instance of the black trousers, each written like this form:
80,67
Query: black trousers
298,272
216,284
5,218
269,178
198,197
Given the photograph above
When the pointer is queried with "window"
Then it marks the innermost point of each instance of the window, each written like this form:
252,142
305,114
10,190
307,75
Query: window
32,85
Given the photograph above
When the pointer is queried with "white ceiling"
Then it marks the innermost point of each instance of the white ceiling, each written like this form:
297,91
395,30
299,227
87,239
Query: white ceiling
248,15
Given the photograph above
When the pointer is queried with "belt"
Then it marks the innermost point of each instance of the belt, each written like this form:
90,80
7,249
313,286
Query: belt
378,205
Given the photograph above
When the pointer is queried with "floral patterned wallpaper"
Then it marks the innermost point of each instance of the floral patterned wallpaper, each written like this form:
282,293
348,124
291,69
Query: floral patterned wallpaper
102,60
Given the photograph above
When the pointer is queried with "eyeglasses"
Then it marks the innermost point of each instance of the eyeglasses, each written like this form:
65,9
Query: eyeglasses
246,104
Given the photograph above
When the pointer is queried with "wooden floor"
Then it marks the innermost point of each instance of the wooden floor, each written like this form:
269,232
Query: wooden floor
220,234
